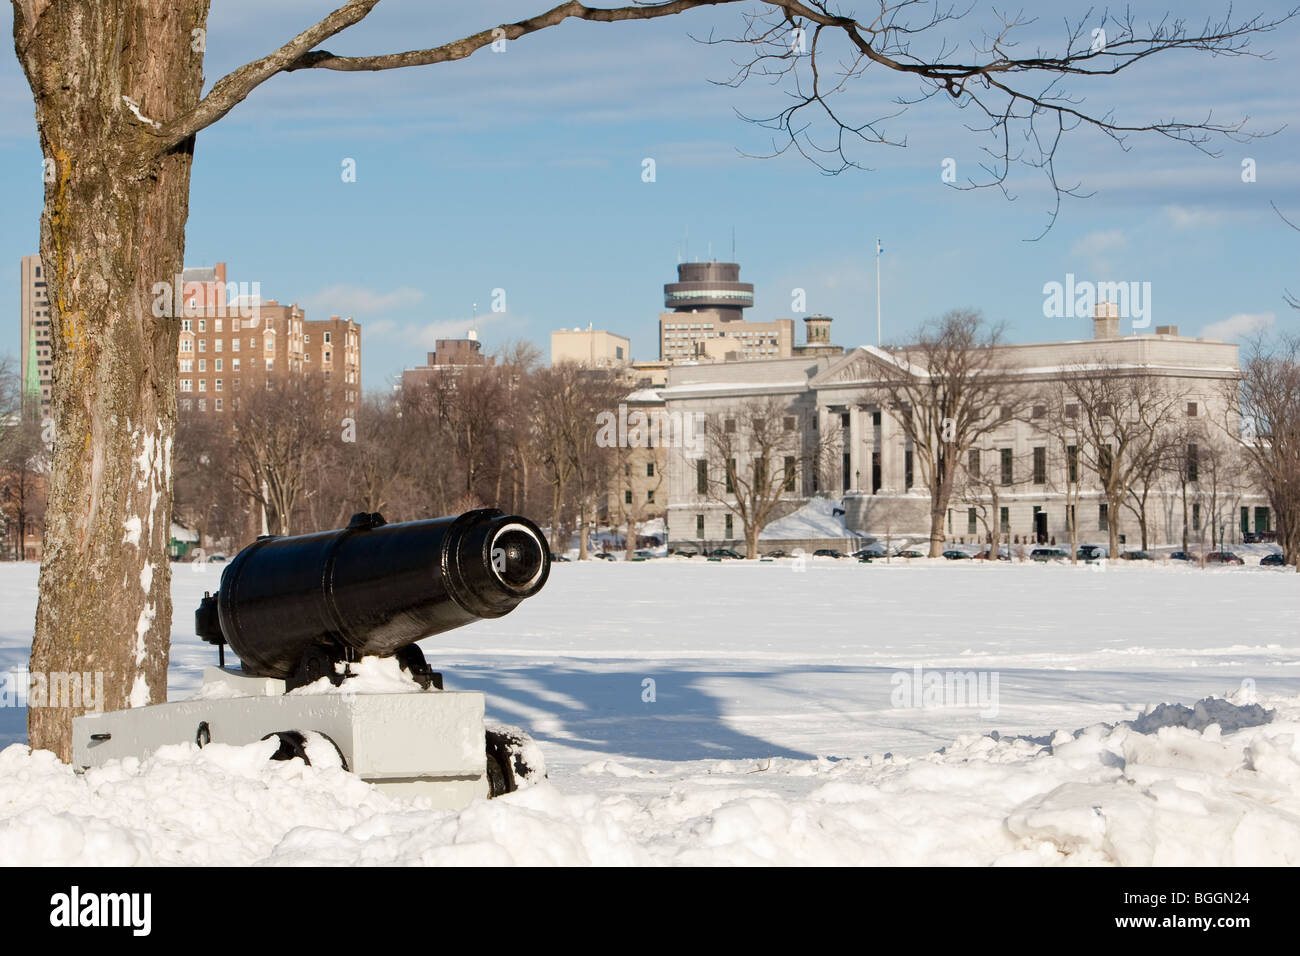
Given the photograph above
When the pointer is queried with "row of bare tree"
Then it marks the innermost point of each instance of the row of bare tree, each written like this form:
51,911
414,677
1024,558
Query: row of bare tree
513,434
522,436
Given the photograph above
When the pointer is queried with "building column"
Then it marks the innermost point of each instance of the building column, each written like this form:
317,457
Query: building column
891,454
855,448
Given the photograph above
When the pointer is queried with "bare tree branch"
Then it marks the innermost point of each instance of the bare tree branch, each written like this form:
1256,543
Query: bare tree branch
297,54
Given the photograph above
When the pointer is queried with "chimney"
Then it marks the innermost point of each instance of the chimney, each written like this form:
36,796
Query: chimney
1167,330
1105,321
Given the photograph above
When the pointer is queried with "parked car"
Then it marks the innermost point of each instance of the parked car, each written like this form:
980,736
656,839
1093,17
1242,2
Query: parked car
1184,556
685,553
1091,552
1272,560
778,554
604,556
644,554
1135,556
724,553
1048,554
870,551
215,558
910,553
952,554
558,558
827,553
1003,554
1222,557
1258,537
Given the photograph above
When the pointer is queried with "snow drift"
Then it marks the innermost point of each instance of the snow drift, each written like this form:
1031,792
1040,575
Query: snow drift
1213,784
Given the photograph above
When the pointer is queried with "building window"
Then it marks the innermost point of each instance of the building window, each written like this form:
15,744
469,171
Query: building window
1072,463
1039,411
790,473
270,363
1191,409
217,404
1040,466
216,346
789,423
307,339
699,526
187,385
1007,471
187,365
203,404
649,469
203,385
187,404
203,365
217,326
1004,519
217,365
729,527
186,325
203,325
907,468
1193,469
234,365
731,474
327,338
216,386
627,497
234,345
972,526
187,345
1070,517
1071,411
1103,517
701,476
650,496
1196,517
729,426
973,461
203,345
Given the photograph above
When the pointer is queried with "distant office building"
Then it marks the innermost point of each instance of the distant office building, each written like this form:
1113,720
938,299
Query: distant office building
34,314
448,357
707,319
594,348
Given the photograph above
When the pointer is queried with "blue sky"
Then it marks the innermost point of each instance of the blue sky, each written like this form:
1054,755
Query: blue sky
522,171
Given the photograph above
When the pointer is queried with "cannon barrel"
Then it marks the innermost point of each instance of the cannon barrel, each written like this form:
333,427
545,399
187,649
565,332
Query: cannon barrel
371,588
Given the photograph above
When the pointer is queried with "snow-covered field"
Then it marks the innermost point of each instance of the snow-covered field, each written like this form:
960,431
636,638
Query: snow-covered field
697,712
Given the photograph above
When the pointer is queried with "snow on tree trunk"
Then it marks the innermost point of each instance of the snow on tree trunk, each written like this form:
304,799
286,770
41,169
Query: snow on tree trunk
113,226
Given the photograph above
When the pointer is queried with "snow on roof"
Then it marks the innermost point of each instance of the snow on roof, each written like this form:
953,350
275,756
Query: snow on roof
183,534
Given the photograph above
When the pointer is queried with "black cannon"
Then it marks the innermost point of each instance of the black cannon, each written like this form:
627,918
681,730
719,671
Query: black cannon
296,607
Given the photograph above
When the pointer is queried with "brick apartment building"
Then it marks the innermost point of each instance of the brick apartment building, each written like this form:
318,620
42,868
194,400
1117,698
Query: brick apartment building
232,343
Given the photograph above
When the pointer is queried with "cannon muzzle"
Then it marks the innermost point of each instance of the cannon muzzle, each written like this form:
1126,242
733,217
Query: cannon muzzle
371,588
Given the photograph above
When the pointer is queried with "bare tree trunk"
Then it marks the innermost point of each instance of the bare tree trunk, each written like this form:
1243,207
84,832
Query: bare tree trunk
113,225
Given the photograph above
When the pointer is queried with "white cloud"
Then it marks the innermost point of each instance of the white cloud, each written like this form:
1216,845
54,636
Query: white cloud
1239,326
1099,243
359,301
1191,217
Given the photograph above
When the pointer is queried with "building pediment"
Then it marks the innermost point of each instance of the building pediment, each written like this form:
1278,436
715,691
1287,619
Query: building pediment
865,365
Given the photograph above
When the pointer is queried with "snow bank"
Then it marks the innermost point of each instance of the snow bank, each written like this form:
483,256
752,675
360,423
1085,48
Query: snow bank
813,520
1216,784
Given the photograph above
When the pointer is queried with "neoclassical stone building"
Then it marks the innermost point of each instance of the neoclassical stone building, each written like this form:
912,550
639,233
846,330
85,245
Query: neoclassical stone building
854,449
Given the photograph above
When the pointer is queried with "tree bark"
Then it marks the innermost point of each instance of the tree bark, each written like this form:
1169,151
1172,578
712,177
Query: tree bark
113,226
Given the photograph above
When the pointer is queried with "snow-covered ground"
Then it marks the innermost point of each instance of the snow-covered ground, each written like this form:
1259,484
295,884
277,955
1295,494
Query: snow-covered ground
697,712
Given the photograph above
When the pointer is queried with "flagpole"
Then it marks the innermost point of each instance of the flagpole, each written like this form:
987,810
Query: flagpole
878,338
